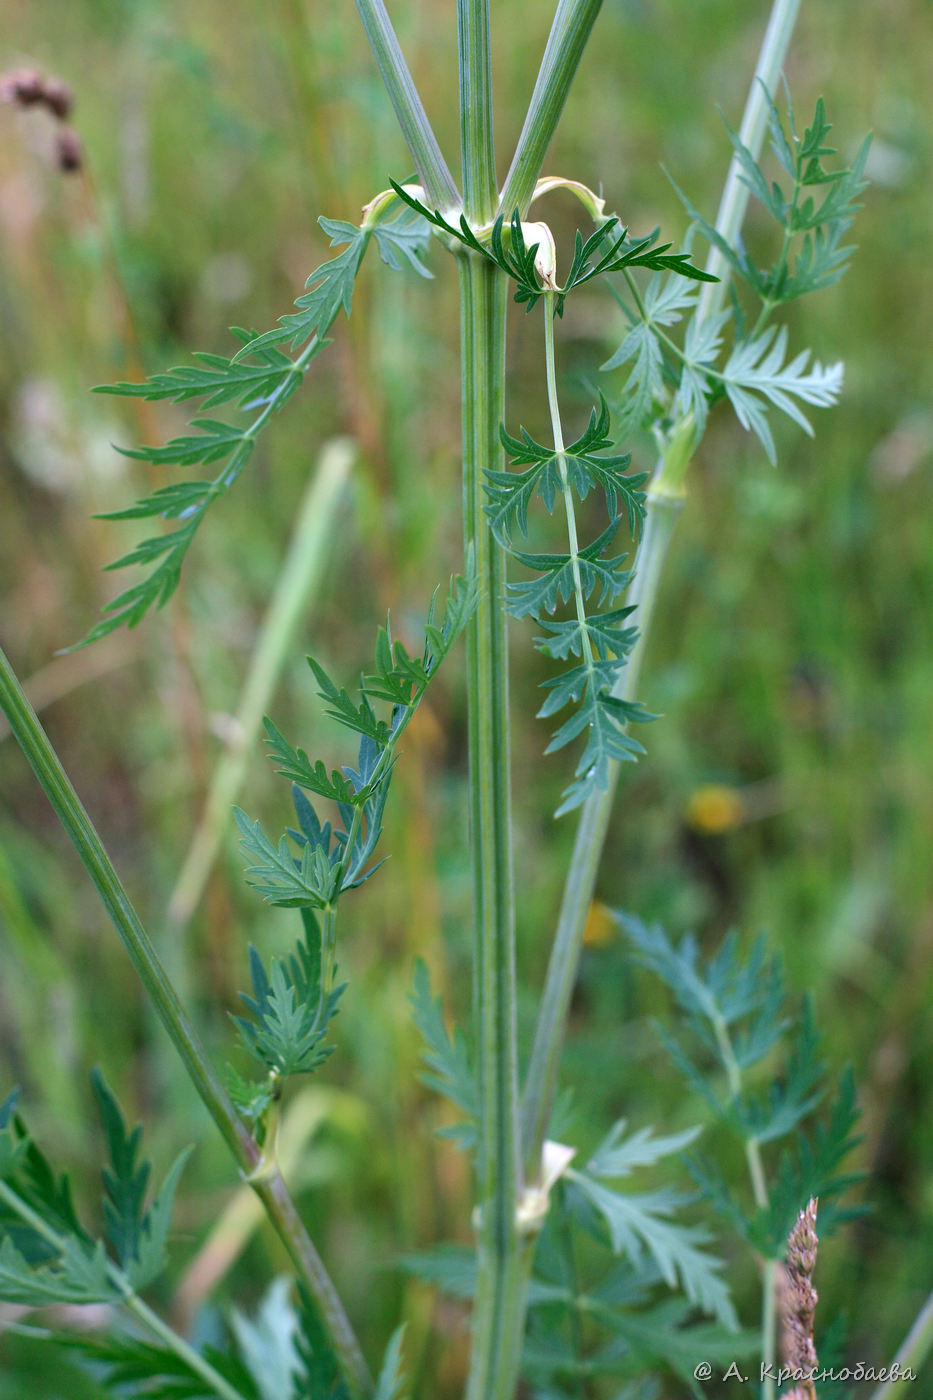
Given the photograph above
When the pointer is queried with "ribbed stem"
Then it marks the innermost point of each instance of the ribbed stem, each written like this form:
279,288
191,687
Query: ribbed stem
587,851
480,191
271,1189
573,21
433,172
499,1305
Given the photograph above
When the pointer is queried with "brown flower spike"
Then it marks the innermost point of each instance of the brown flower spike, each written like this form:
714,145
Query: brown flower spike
798,1303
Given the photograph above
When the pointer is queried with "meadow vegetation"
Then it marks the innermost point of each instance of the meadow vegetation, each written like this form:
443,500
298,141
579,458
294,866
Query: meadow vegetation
787,790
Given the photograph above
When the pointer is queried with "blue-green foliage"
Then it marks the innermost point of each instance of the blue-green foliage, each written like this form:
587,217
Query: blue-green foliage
600,1301
128,1365
334,859
736,1020
293,1001
667,378
260,379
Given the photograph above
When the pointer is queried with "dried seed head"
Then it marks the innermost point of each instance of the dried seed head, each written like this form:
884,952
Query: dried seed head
26,87
68,153
22,86
798,1299
58,98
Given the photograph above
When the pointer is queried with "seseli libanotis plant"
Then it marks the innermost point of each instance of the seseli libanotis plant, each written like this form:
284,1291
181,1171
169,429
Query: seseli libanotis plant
571,1276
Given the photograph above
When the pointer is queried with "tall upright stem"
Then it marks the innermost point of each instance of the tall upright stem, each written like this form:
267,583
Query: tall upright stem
436,179
267,1183
499,1305
477,150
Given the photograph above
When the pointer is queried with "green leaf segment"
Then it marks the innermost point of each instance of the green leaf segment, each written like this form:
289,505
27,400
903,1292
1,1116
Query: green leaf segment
260,379
602,642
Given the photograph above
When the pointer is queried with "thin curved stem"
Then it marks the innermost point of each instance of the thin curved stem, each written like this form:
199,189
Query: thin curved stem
267,1183
662,513
569,509
664,501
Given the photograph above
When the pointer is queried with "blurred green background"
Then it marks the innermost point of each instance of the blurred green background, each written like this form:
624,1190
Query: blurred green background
789,786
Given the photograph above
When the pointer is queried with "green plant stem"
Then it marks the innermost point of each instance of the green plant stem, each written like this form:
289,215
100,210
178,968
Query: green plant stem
296,585
433,172
573,21
735,194
912,1353
662,513
130,1300
477,148
500,1297
756,1171
266,1179
569,509
663,502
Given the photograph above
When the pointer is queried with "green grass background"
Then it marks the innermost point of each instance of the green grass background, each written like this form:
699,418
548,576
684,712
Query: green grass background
791,658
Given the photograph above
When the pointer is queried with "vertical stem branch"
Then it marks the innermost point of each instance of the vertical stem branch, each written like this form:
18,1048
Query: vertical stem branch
477,149
499,1306
665,498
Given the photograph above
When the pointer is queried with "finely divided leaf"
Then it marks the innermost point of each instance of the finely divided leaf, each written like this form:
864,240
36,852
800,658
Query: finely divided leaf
640,1223
446,1057
756,368
148,1369
305,882
78,1274
617,1155
260,379
330,288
